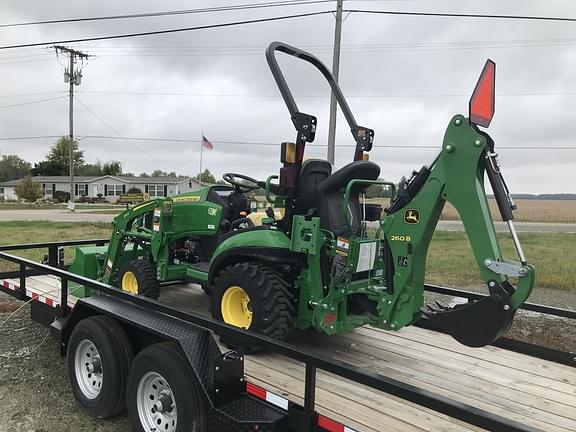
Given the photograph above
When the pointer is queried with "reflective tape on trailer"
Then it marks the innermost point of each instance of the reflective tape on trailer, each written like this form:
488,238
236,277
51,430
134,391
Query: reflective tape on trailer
9,285
325,423
39,296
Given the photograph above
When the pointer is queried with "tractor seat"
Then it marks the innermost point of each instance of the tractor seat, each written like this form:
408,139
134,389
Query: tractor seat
314,172
330,195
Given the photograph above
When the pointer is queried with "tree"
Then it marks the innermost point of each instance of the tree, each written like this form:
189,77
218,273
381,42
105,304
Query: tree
12,167
378,191
46,168
144,175
59,156
206,177
113,168
29,190
100,169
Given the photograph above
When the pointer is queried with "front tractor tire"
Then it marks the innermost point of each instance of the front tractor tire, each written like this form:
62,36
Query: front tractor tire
254,297
138,277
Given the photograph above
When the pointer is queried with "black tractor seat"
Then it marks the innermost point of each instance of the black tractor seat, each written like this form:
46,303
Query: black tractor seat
330,197
314,172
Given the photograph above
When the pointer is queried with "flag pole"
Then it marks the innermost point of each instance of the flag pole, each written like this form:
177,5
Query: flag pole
201,151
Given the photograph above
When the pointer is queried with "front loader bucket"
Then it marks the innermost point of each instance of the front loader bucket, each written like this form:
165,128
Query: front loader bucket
474,324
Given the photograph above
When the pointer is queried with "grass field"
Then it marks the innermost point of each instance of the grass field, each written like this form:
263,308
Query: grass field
450,261
552,211
39,232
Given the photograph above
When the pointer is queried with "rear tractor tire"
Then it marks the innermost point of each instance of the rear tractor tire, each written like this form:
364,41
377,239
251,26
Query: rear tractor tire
138,277
254,297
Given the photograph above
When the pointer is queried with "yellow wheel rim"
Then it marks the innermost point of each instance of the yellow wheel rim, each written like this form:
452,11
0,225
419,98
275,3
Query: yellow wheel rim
130,283
235,307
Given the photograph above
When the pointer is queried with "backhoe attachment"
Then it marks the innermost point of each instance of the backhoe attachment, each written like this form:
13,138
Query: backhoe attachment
478,323
457,176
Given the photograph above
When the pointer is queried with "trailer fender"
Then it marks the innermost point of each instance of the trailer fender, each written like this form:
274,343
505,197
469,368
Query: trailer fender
146,327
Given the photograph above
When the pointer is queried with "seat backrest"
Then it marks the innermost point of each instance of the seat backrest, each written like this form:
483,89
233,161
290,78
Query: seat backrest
331,197
314,172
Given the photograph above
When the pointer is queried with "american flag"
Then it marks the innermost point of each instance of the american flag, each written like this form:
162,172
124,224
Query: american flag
206,144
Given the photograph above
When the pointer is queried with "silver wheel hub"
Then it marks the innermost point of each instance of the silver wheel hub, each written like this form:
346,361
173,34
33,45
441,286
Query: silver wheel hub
88,369
156,405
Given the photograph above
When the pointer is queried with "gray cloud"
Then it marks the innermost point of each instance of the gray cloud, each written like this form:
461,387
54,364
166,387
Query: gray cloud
421,60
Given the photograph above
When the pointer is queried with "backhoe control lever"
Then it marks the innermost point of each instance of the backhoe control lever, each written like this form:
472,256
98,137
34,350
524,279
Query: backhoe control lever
476,323
407,189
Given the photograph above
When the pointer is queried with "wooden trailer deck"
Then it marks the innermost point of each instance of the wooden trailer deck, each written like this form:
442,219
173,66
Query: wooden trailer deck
535,392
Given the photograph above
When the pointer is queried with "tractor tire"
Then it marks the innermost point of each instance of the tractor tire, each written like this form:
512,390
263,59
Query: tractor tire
163,394
99,356
138,277
254,297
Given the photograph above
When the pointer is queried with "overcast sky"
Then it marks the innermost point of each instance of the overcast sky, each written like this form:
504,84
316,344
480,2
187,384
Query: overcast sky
403,76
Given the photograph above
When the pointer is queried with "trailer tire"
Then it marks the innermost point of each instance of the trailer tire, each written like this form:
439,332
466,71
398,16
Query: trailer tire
139,277
161,376
101,344
267,301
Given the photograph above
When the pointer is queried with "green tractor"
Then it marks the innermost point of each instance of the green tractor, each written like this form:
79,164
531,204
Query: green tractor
321,257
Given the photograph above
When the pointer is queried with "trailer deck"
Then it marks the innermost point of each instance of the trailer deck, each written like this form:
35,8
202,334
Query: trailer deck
537,393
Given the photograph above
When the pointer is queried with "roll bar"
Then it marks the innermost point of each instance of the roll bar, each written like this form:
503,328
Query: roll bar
305,124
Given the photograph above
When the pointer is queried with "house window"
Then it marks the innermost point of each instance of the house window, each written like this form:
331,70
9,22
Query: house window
1,192
81,190
48,188
156,190
113,190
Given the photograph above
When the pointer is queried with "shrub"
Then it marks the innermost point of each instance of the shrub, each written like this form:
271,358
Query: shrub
61,196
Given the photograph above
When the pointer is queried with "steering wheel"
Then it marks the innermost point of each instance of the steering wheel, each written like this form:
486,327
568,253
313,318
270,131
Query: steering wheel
241,183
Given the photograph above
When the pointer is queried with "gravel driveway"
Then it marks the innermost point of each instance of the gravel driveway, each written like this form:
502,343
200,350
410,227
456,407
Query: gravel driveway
34,390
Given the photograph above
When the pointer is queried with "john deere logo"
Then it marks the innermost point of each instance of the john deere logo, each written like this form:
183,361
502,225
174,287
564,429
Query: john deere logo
412,216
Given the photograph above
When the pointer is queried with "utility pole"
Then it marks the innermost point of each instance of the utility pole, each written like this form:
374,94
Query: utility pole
335,70
73,76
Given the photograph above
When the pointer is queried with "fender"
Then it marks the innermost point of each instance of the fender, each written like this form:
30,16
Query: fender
268,245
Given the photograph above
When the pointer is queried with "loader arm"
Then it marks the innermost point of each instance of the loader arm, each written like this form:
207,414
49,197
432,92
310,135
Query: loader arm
126,227
457,176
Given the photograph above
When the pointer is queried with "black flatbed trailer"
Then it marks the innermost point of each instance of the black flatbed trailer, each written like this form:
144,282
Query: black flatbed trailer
356,382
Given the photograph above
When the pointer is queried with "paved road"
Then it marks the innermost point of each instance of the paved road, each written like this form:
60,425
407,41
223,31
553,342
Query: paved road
83,216
53,215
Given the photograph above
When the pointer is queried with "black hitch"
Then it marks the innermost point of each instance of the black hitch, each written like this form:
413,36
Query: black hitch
476,323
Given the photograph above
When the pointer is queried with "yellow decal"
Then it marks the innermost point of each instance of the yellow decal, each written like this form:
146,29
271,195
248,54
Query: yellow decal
193,198
400,238
412,216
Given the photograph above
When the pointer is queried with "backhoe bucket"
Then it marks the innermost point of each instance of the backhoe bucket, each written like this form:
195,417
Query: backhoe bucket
474,324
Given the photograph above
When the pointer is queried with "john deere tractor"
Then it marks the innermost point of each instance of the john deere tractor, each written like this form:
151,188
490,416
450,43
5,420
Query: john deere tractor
321,257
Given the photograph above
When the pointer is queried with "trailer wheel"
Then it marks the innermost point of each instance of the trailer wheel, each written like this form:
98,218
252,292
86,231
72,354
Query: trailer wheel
138,277
162,393
99,356
252,296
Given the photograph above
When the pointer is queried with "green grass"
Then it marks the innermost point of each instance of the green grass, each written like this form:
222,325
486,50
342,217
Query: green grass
43,231
450,260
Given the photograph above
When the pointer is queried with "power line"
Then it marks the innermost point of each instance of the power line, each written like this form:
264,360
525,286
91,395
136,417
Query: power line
252,143
30,102
118,134
463,15
375,96
174,13
438,147
168,31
